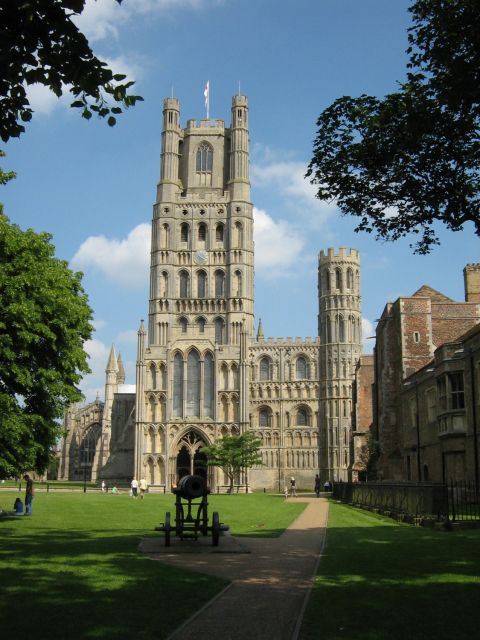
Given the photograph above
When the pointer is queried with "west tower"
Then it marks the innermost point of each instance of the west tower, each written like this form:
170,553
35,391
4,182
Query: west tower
191,378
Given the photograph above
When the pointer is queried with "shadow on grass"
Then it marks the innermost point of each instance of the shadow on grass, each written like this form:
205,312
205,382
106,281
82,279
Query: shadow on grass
78,585
385,580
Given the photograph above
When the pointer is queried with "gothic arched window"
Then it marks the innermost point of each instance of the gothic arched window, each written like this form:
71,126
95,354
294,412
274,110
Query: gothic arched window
184,284
263,418
201,284
201,322
265,369
301,368
184,232
338,279
302,417
202,232
219,331
165,233
326,280
208,385
164,285
219,232
193,384
219,284
183,322
204,157
238,235
178,385
237,289
341,329
349,279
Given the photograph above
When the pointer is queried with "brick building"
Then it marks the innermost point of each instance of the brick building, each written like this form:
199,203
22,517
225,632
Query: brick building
440,408
362,415
411,333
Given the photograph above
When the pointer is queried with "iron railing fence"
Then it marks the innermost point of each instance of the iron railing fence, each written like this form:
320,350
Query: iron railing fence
463,501
414,499
454,501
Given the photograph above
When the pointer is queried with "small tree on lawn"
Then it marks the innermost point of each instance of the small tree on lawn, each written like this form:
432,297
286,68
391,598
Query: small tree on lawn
234,453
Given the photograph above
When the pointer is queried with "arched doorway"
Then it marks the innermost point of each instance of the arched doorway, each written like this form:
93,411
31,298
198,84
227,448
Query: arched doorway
190,459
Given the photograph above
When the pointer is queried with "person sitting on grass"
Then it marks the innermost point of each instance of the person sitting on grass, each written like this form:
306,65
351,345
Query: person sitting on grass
114,490
18,507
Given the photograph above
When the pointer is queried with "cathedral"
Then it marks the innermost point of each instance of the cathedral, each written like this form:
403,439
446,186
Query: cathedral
202,371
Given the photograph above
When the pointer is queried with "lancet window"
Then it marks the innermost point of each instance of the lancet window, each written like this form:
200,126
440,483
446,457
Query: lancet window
205,158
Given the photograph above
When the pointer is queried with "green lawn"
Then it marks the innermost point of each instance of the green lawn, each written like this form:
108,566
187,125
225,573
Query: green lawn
73,569
381,580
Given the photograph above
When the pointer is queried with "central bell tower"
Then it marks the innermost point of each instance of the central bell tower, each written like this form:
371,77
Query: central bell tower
191,387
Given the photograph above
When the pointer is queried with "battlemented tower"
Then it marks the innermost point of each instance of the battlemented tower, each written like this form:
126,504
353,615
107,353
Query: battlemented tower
340,331
201,295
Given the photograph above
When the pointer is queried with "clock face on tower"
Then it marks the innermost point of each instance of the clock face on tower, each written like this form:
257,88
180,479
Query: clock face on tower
200,257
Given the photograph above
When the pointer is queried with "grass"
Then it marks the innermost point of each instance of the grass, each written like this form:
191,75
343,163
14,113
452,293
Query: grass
379,579
73,569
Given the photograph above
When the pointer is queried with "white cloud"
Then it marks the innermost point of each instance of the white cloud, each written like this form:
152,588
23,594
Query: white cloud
124,262
99,324
367,332
100,20
43,101
277,243
288,180
132,66
94,382
103,19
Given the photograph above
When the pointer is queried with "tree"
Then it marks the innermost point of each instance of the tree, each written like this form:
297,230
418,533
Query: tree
403,163
44,322
234,453
41,44
369,454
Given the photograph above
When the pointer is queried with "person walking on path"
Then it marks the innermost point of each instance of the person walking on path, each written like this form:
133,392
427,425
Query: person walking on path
293,487
29,491
143,487
134,486
317,485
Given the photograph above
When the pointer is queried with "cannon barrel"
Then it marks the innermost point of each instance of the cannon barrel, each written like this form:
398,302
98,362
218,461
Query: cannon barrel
191,487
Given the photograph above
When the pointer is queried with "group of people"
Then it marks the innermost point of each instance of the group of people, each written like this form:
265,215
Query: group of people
135,486
292,490
18,504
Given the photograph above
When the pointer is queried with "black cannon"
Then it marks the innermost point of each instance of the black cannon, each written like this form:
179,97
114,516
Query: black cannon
188,525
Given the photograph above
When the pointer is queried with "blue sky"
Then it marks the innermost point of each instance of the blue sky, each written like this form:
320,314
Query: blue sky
93,187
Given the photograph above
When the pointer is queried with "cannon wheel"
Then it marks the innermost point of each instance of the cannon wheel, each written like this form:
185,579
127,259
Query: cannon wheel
167,528
215,529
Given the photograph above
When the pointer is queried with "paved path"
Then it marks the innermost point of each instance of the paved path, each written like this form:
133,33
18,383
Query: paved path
269,586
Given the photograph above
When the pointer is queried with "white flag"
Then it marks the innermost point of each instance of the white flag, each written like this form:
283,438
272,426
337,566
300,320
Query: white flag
206,93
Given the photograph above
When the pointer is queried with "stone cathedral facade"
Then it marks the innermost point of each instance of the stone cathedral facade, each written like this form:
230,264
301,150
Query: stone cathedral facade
202,372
